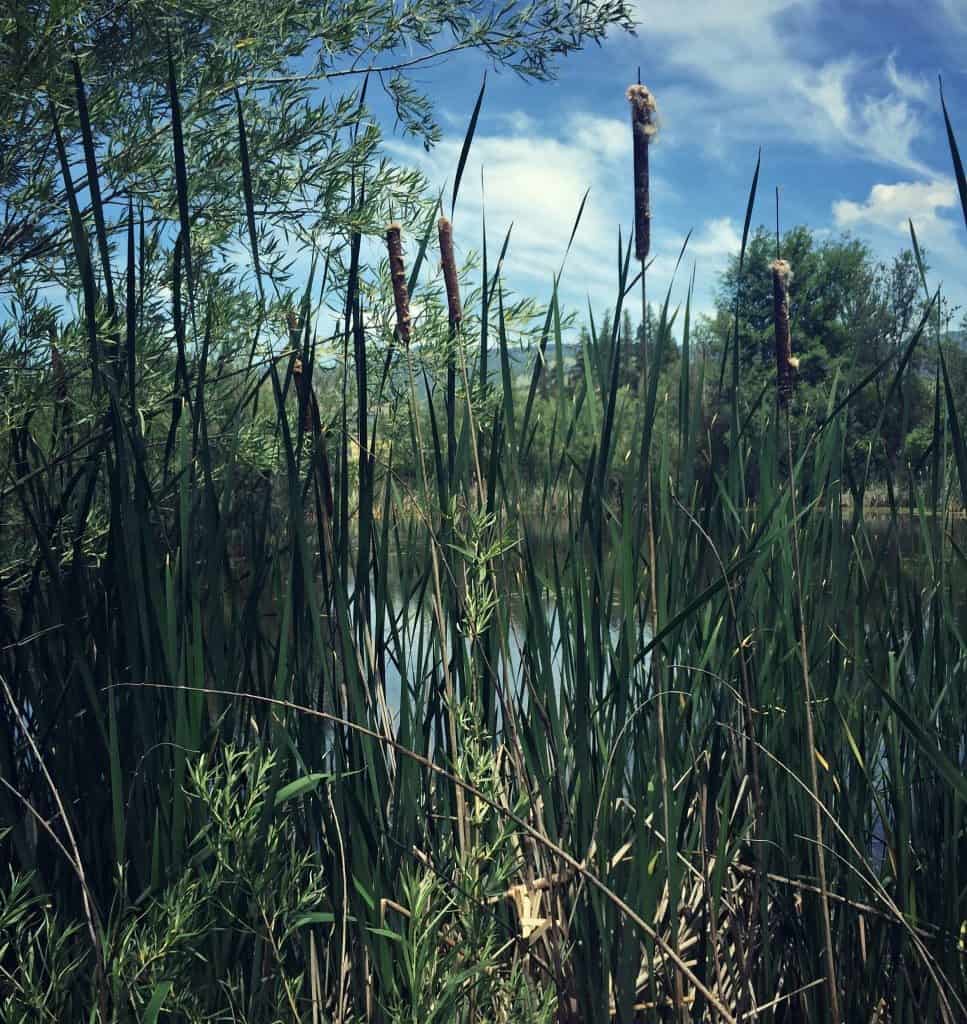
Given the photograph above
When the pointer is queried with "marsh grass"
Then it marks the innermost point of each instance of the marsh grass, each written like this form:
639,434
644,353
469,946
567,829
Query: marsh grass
623,820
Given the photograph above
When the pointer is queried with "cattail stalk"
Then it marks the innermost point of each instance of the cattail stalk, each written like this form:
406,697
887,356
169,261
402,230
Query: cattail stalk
785,364
394,244
450,279
401,297
643,129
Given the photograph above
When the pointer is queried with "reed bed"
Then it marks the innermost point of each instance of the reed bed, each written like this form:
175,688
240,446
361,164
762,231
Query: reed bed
310,739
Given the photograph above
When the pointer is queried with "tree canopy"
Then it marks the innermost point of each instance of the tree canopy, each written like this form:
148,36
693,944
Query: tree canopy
294,78
850,313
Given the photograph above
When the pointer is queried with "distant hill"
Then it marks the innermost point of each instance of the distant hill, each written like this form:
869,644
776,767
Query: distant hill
522,360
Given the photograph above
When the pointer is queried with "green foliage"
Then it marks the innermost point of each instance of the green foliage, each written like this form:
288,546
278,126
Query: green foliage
183,947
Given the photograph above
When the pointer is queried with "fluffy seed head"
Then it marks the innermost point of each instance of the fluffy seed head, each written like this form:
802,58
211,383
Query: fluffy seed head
785,364
643,130
394,246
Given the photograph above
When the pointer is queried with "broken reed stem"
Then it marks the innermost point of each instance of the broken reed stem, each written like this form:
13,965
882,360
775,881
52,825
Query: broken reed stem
831,984
394,245
450,278
785,364
643,130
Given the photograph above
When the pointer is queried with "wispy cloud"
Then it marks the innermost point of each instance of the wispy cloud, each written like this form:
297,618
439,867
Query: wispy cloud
911,87
770,79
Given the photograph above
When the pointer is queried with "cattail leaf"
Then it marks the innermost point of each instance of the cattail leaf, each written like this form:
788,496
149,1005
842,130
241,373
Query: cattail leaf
131,311
505,368
539,359
81,251
956,434
247,193
181,175
465,148
918,257
927,745
574,230
498,270
307,784
614,370
181,394
94,185
484,290
955,155
750,205
421,250
158,995
664,330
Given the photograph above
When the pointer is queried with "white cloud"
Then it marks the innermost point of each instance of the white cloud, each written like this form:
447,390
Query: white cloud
933,206
519,122
890,206
606,137
718,240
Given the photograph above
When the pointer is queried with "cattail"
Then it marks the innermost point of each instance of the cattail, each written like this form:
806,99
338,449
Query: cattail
397,272
303,385
295,337
785,364
643,128
450,272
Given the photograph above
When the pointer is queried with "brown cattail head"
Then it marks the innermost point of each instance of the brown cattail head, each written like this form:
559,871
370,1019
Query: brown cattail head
295,337
450,278
303,385
394,245
785,364
295,331
643,130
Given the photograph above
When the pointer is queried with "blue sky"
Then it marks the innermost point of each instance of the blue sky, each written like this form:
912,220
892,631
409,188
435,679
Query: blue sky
842,98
